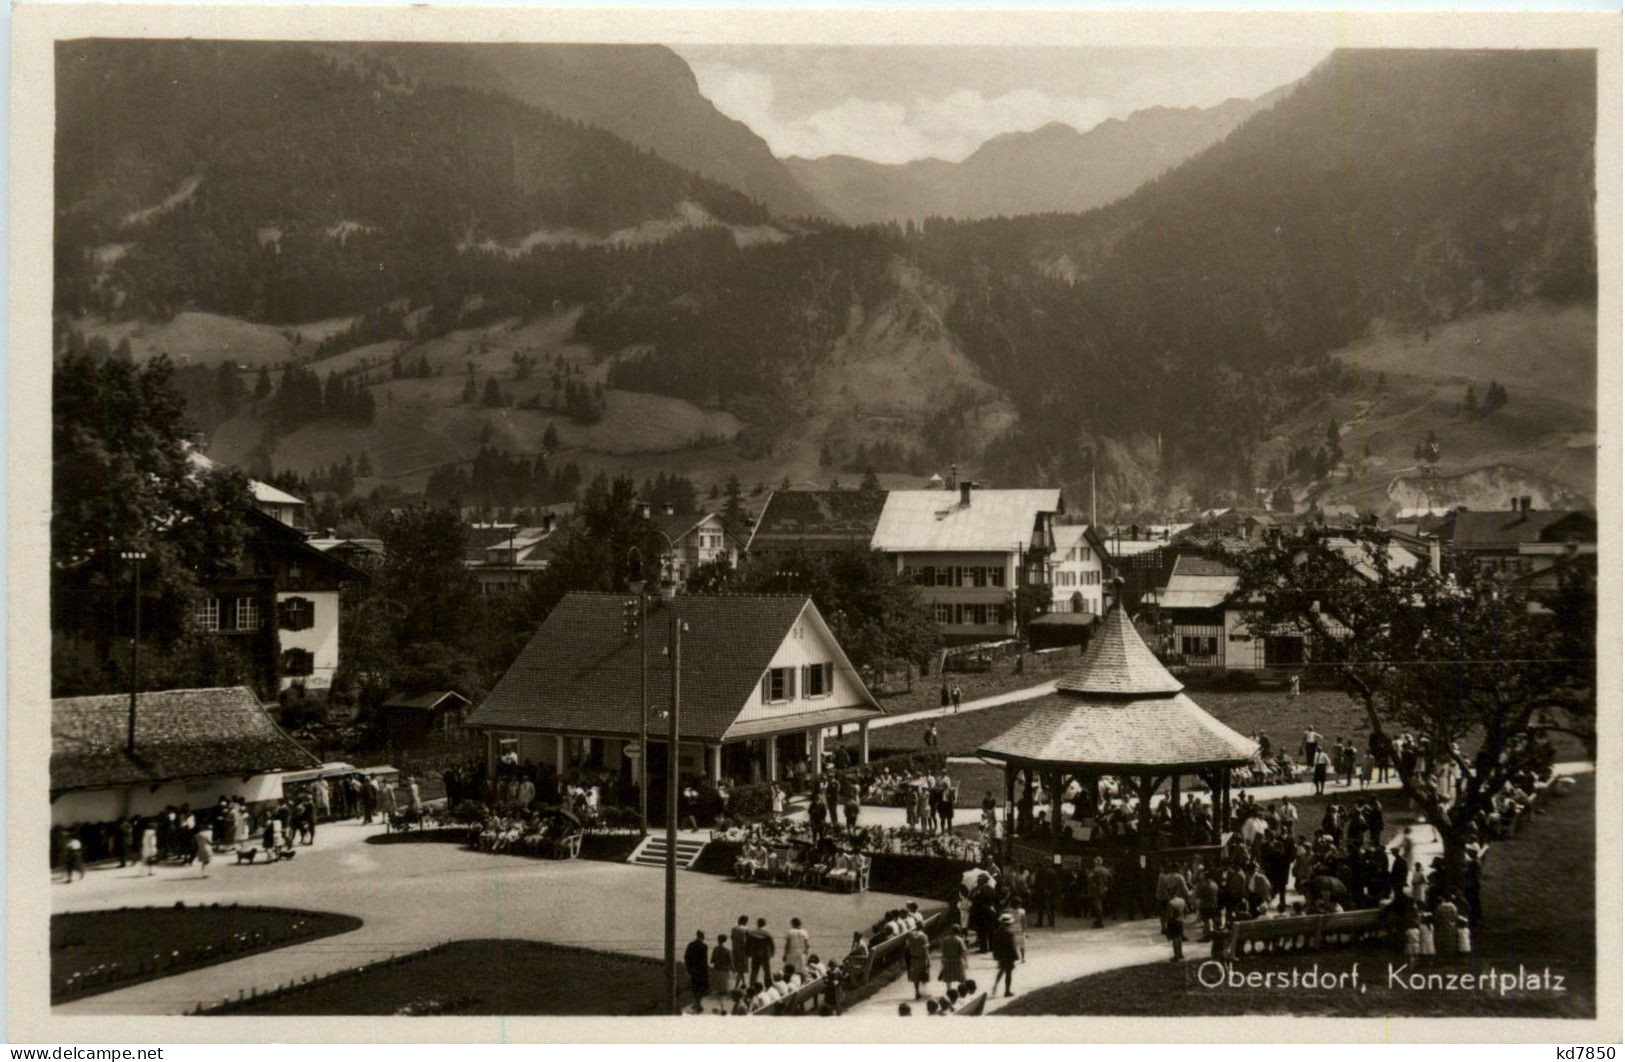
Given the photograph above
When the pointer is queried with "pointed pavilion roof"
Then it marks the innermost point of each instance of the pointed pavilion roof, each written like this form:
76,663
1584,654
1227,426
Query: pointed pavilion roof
1119,663
1120,709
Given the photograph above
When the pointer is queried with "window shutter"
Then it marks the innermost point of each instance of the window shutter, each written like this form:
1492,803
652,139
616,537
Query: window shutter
789,683
806,682
829,677
767,686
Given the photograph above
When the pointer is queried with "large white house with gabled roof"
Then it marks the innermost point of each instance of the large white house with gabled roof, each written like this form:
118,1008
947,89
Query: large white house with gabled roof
969,549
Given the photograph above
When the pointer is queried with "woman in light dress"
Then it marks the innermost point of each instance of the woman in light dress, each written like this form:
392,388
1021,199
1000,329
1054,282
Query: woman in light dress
149,845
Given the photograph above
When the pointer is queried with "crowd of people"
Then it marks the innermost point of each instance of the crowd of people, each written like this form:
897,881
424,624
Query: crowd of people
187,836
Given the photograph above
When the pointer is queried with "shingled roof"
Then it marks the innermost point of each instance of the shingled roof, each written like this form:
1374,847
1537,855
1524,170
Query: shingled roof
1118,663
581,671
179,734
1120,709
813,519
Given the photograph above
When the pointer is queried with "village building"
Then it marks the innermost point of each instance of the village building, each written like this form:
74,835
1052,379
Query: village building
191,747
364,554
969,550
1078,570
503,558
281,600
1518,541
761,677
407,719
278,503
816,521
693,541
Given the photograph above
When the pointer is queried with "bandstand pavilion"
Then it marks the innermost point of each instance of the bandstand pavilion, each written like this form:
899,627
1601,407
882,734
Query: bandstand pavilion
1120,715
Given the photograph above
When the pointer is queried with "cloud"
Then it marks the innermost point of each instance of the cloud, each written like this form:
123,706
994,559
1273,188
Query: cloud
948,126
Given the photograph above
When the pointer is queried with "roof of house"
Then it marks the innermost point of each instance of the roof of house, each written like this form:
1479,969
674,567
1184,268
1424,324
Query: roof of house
581,672
425,701
273,531
1500,528
269,495
1120,708
1198,582
677,525
1118,663
795,516
1363,557
368,545
179,734
935,521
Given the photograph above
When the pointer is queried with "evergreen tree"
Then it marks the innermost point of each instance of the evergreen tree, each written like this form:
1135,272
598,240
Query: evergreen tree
262,384
1470,403
470,392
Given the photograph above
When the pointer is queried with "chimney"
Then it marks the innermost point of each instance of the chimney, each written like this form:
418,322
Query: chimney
1523,503
953,477
547,523
1514,504
964,494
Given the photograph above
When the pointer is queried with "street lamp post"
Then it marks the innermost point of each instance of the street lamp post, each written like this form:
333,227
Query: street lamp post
637,585
671,810
135,557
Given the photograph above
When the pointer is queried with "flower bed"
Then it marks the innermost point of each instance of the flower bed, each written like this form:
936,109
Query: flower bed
98,951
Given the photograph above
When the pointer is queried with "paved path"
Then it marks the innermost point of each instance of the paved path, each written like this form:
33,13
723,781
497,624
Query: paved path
993,701
413,896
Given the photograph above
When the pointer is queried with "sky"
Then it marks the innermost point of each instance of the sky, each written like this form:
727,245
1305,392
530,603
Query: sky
895,104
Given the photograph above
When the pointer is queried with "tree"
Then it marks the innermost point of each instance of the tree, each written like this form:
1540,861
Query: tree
871,482
1281,501
470,392
424,577
733,510
493,393
123,478
262,384
876,613
1470,403
550,438
1457,660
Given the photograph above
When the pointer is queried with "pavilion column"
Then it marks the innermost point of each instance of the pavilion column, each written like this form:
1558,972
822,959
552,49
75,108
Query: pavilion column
772,758
490,754
817,753
1178,816
1052,780
716,765
558,752
1009,801
863,741
1148,789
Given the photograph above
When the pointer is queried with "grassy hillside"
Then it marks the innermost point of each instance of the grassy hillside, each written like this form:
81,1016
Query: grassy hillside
1412,383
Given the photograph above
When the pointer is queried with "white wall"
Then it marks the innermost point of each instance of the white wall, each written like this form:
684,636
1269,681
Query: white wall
105,805
321,638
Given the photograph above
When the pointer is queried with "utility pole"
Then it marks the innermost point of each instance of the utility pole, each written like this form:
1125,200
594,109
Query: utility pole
671,810
135,557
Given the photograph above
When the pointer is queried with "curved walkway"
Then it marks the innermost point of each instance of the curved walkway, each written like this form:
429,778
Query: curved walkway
413,896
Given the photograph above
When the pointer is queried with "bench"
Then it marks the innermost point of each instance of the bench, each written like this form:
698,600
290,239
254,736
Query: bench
1307,932
881,955
800,1001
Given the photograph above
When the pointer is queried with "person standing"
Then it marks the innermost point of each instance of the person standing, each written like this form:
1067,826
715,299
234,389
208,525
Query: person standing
1046,891
722,967
956,696
944,695
73,856
1323,764
203,841
1311,743
1097,884
852,801
931,735
945,806
126,841
953,954
1005,954
919,958
1173,926
739,949
697,960
796,946
759,943
149,845
414,798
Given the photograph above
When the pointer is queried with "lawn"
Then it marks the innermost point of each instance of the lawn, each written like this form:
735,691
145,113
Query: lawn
98,951
520,977
1538,914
